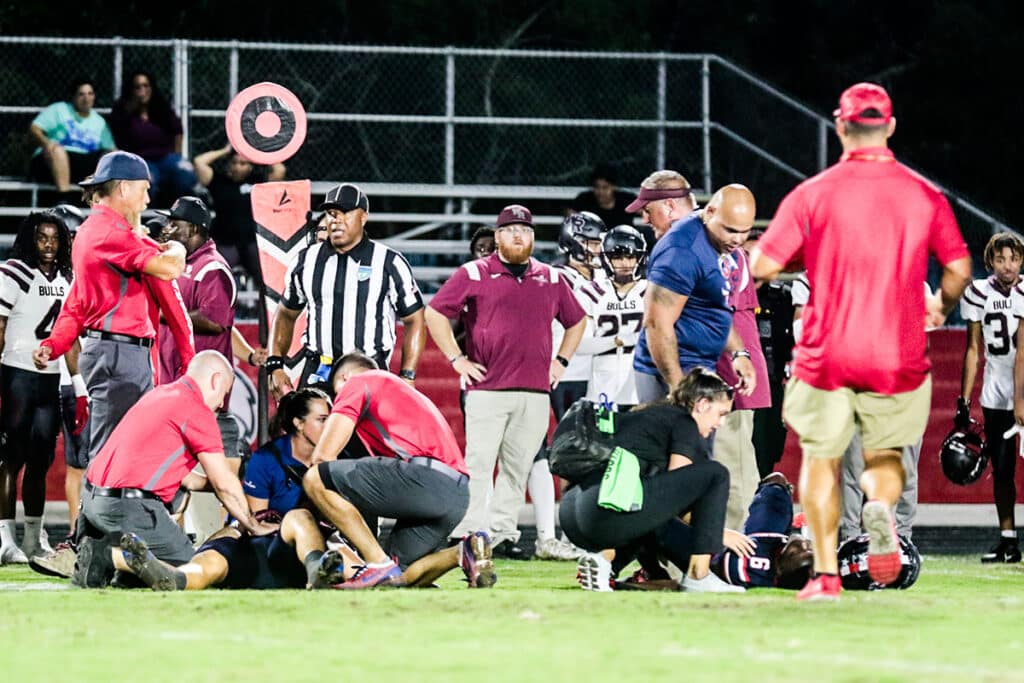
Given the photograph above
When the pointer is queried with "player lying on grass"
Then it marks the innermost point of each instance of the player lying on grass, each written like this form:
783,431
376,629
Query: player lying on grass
415,475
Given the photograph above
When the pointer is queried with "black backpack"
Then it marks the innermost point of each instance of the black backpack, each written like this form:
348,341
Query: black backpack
583,441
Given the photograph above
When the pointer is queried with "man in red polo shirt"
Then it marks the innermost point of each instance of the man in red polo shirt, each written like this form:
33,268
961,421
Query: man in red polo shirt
111,300
416,475
140,468
507,302
864,228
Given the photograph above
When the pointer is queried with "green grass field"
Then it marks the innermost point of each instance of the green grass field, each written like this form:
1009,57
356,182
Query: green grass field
961,622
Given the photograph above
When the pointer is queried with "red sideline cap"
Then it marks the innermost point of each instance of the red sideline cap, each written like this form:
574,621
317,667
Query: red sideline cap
515,213
859,98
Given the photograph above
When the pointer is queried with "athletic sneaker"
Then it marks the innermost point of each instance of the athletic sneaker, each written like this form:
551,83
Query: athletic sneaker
142,562
556,549
475,560
330,571
12,554
508,550
883,544
594,573
822,588
1007,551
60,562
710,584
40,547
389,574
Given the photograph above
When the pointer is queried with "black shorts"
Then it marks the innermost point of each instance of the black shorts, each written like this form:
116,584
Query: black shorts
425,503
81,166
76,448
29,416
258,563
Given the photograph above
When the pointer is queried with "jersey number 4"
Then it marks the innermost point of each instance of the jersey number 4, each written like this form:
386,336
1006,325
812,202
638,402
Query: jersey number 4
1000,328
45,325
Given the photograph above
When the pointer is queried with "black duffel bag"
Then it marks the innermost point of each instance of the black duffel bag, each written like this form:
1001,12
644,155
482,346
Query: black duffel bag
583,441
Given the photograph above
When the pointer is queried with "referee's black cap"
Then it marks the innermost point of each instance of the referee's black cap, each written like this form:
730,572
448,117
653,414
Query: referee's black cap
345,197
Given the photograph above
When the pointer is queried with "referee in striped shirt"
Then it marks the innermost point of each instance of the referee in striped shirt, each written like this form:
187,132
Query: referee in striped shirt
352,289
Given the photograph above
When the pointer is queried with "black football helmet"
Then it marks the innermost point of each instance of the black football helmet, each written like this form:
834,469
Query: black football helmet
576,229
853,565
963,455
621,241
71,215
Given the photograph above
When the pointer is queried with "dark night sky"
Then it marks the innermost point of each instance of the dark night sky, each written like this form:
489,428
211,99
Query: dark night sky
952,67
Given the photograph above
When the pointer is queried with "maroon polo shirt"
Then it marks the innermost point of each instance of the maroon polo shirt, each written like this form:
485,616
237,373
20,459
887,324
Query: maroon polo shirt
207,286
156,443
393,420
508,319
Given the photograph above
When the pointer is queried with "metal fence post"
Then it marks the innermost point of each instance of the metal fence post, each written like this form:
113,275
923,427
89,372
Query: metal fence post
118,67
181,92
705,83
822,144
449,126
233,71
662,91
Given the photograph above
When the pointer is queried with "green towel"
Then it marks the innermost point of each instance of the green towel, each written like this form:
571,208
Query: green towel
621,489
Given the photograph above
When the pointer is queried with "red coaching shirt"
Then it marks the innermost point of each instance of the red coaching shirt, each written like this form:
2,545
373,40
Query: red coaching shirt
396,421
864,228
156,443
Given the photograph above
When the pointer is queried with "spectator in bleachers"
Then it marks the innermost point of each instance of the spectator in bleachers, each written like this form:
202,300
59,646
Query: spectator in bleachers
605,199
144,123
230,185
71,136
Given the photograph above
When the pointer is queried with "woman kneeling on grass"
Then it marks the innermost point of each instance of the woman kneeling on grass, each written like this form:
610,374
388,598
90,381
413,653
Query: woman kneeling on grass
671,439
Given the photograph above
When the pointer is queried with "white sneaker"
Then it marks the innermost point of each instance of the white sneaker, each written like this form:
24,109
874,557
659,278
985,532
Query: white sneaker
556,549
12,554
594,573
39,548
710,584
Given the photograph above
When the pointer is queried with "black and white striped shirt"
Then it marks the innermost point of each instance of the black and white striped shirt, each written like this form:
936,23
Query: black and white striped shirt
351,299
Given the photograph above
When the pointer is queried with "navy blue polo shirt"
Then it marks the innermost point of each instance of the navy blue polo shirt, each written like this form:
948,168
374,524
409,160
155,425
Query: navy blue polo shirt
685,262
266,478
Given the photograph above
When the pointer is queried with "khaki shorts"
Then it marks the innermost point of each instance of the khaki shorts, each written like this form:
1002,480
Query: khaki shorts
825,420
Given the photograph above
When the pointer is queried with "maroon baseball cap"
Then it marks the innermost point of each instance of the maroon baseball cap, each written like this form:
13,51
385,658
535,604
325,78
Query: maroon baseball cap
857,100
648,195
514,213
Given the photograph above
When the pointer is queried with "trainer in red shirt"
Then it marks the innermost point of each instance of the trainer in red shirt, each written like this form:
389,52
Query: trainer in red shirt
152,450
864,228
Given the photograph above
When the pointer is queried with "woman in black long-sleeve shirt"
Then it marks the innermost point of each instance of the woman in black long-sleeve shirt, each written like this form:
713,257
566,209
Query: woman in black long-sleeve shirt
672,441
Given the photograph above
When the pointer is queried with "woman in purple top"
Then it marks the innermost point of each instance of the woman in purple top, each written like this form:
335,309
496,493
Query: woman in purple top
144,123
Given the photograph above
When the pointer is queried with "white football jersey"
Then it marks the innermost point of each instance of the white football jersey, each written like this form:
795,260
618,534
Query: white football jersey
30,301
613,315
998,312
578,369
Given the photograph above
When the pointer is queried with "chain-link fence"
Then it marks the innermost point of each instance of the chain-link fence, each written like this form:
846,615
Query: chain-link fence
445,116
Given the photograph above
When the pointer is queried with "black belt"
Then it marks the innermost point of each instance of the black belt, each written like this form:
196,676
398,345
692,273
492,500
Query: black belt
438,466
122,338
106,492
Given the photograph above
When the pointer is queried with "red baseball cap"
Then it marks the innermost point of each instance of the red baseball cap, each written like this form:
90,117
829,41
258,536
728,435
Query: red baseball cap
856,100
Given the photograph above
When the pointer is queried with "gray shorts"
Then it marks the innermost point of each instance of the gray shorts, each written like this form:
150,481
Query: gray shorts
146,517
426,504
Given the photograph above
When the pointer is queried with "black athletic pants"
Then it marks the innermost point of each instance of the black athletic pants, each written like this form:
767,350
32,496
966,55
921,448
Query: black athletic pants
29,420
1002,452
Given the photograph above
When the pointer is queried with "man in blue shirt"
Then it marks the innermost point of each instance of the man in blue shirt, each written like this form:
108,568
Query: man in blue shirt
687,318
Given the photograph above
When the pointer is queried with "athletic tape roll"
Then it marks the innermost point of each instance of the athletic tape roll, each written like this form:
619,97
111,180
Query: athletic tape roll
266,123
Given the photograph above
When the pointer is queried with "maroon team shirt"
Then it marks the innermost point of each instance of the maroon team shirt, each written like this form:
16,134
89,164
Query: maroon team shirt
864,228
156,443
207,286
393,420
743,299
508,319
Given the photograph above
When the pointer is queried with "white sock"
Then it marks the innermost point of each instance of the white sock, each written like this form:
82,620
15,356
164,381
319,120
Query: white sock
1009,533
33,525
542,492
7,533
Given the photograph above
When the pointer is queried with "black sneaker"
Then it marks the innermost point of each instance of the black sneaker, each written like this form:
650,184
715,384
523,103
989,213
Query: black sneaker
508,550
1007,551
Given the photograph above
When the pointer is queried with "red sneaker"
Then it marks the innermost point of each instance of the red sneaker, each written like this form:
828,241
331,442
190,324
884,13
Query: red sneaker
821,588
883,543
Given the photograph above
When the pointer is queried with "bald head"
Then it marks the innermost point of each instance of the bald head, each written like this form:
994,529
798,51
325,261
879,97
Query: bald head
214,375
729,216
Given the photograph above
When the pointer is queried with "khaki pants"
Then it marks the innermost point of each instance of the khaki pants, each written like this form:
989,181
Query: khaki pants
506,427
734,448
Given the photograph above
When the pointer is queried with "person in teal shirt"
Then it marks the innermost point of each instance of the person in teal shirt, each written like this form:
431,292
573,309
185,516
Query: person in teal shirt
72,136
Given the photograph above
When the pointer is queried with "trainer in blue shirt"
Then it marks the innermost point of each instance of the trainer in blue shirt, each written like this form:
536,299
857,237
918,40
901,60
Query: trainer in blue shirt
273,475
687,318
